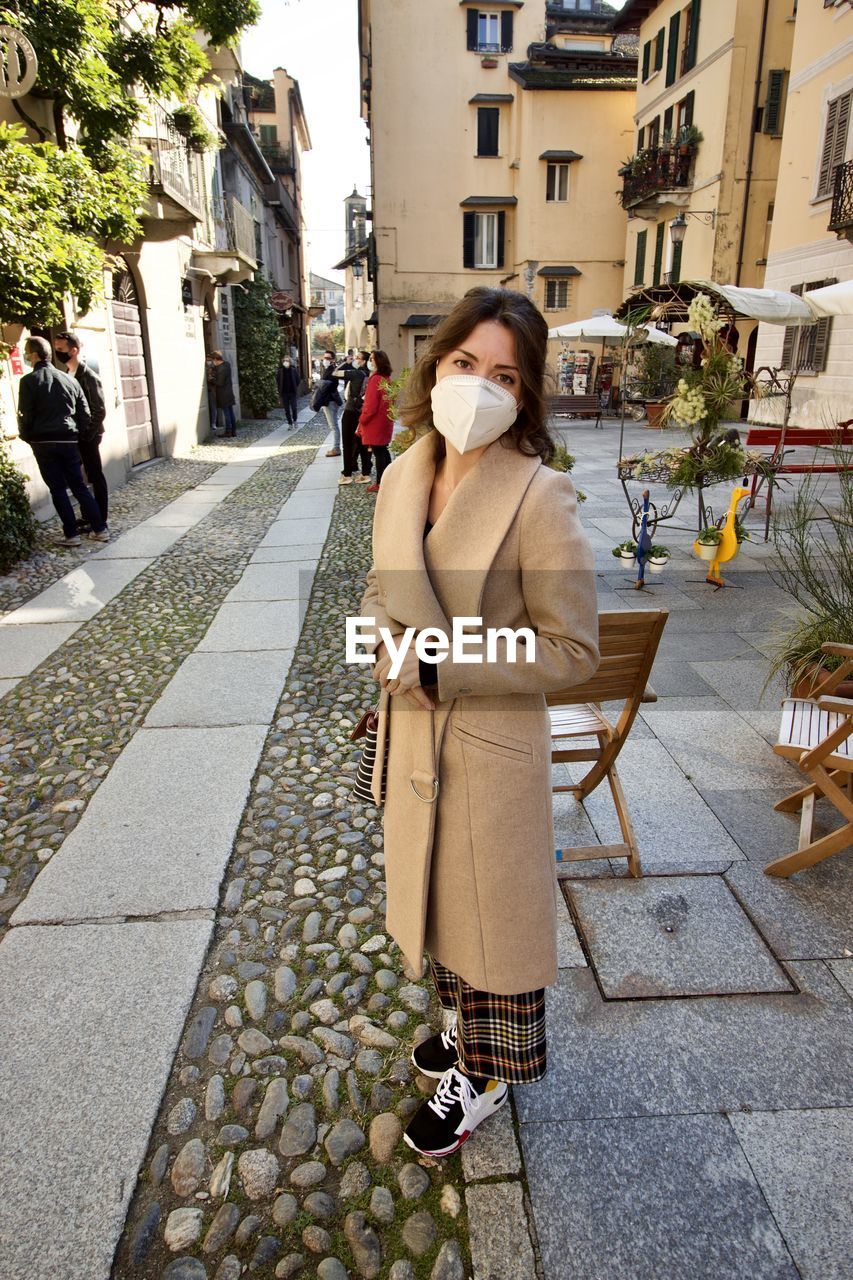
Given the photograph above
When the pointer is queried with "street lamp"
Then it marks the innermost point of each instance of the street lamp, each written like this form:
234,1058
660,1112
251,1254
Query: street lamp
357,270
678,226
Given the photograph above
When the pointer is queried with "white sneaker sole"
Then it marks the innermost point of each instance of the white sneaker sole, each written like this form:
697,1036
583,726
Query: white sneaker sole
486,1108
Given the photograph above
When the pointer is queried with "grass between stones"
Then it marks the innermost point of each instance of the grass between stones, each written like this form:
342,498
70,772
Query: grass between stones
309,954
65,723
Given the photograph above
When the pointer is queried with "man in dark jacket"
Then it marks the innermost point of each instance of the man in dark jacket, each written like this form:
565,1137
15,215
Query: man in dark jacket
327,397
66,348
52,413
224,387
287,381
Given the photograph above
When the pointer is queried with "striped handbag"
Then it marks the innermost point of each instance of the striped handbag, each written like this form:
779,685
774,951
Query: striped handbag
367,728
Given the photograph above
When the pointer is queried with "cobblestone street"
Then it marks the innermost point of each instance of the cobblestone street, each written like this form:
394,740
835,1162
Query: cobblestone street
208,1031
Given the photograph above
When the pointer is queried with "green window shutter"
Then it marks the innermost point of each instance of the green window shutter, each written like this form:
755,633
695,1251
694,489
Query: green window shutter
672,51
501,237
506,31
660,41
658,253
667,120
834,141
675,267
790,340
488,119
640,259
773,103
469,231
473,16
647,58
692,36
688,107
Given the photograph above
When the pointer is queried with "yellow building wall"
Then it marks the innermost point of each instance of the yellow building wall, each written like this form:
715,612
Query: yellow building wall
802,248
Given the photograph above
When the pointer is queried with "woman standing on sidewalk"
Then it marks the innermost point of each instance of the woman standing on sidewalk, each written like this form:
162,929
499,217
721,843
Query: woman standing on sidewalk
470,525
376,424
354,450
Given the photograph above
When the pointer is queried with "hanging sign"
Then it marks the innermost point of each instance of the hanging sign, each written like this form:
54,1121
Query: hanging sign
18,63
16,361
282,301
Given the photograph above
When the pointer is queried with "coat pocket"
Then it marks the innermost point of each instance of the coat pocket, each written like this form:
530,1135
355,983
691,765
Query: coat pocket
489,740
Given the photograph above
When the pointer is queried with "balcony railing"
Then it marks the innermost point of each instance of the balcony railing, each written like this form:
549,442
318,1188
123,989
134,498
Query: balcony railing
173,169
235,228
279,159
841,217
278,196
656,169
493,48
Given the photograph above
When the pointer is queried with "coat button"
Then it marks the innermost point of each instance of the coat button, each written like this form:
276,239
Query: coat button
463,691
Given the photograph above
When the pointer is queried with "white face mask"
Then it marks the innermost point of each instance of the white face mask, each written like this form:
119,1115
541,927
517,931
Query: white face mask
371,366
471,412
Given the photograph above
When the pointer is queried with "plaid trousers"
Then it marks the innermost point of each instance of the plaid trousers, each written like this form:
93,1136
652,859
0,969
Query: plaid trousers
501,1037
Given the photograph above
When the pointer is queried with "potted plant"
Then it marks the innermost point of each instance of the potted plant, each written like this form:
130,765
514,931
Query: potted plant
709,539
656,379
813,536
625,550
658,559
689,138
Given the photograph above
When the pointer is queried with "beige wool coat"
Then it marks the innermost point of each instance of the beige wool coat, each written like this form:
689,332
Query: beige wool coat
468,821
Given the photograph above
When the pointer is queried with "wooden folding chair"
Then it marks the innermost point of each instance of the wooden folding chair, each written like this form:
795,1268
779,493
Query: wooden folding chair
817,733
628,642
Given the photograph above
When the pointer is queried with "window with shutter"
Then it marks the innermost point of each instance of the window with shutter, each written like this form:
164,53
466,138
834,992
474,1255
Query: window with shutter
647,59
473,19
813,343
790,340
692,37
660,41
675,265
658,253
469,228
488,119
672,50
506,32
557,185
834,142
501,239
667,121
774,103
640,258
556,295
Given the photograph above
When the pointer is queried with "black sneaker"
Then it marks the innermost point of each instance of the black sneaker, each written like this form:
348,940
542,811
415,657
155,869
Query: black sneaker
438,1054
449,1118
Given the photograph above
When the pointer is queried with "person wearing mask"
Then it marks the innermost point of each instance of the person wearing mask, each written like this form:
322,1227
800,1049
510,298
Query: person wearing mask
66,349
287,380
376,424
355,452
52,414
225,399
327,397
473,526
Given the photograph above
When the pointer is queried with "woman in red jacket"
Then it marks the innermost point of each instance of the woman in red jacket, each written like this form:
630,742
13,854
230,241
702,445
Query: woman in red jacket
376,423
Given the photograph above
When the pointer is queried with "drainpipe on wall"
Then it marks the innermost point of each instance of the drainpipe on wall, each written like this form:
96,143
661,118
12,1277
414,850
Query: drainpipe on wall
759,76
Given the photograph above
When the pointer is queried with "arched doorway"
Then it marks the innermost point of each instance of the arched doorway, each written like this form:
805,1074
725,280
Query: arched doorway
133,370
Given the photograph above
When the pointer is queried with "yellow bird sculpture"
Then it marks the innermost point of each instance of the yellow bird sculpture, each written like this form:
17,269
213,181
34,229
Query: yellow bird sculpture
727,547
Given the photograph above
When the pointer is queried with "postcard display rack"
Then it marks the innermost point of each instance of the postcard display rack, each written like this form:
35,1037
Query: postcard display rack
575,372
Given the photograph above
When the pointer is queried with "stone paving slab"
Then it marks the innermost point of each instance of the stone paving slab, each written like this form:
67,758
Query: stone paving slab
710,1053
145,542
237,471
671,936
500,1243
572,826
79,595
309,504
23,648
675,829
216,689
86,1056
181,516
750,819
308,551
280,580
6,686
714,745
157,834
569,950
802,1162
285,532
843,971
495,1154
674,677
806,916
643,1198
739,683
251,626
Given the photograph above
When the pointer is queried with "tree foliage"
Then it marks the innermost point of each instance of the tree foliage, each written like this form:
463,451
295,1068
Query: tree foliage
17,524
100,61
258,346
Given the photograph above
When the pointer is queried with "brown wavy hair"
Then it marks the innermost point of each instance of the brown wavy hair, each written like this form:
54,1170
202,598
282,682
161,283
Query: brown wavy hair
529,433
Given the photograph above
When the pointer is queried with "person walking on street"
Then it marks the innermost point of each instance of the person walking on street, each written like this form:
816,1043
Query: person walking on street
52,414
225,399
66,348
376,424
327,397
287,380
355,452
471,520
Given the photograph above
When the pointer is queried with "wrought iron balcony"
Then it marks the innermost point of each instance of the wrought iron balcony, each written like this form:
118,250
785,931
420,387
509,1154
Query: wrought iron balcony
173,168
655,170
841,217
278,197
235,229
279,159
493,48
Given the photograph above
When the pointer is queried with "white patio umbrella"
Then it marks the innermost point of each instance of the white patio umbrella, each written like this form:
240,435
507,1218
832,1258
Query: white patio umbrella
608,327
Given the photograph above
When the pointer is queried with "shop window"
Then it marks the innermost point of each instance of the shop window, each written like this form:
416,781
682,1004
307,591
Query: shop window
557,294
557,188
